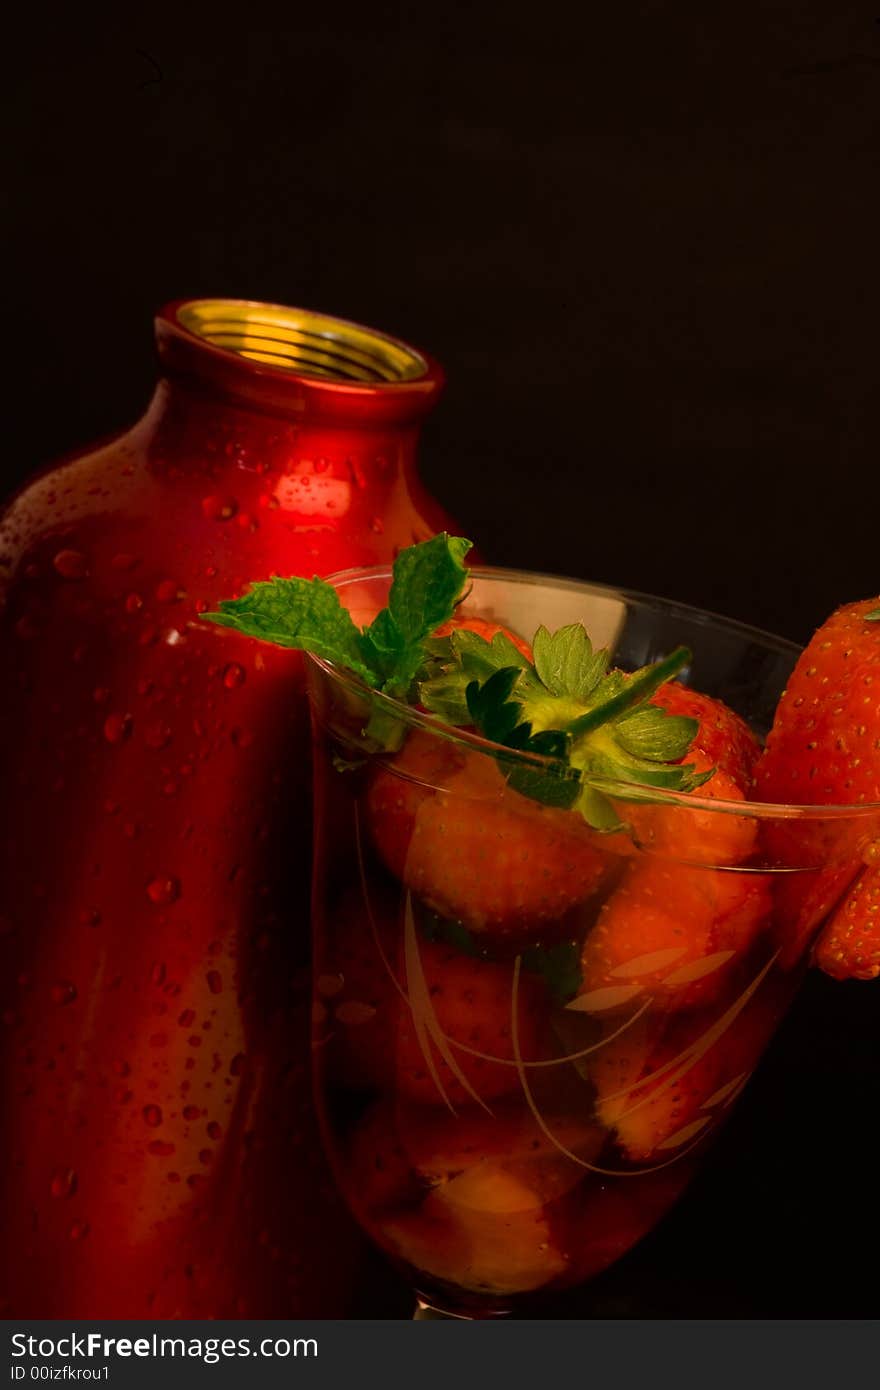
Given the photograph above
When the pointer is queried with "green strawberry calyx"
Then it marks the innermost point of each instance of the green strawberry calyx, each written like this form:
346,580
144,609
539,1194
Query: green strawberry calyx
594,724
585,722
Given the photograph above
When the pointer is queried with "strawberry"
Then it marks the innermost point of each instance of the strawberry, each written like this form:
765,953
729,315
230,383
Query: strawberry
486,628
849,947
458,1005
485,1182
697,835
725,740
471,1003
824,749
673,931
659,1085
445,822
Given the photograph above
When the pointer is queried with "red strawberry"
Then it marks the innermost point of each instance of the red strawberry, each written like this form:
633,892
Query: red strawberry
458,1005
445,822
824,749
849,947
726,740
671,928
659,1086
485,1182
674,932
457,999
485,628
697,835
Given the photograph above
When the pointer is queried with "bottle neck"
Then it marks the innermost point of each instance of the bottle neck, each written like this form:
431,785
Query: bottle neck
285,391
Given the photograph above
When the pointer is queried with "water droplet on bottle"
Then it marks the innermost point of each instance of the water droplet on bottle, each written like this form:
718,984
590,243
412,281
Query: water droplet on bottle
63,992
377,526
191,1112
216,508
157,735
215,981
215,1131
70,564
100,694
122,1068
157,974
152,1116
118,727
233,675
187,1018
78,1230
168,592
163,891
63,1182
134,603
236,1066
90,917
123,561
241,738
205,1156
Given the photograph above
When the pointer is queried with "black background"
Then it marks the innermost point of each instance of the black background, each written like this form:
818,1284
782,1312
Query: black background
642,238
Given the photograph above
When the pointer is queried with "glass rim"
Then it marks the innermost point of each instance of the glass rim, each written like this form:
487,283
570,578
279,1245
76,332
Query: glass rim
629,791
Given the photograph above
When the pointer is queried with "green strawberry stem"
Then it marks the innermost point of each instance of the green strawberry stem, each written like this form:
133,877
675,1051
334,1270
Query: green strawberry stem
640,688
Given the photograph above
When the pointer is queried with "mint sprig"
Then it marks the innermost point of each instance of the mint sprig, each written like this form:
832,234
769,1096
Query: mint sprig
585,723
304,614
307,615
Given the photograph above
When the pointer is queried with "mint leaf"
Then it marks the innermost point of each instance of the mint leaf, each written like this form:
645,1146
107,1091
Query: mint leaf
873,617
427,582
303,614
306,614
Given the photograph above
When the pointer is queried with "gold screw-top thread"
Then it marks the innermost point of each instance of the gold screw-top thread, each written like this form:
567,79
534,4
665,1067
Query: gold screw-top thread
298,340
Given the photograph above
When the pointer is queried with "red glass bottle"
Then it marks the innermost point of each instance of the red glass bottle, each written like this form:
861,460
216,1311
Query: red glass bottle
159,1156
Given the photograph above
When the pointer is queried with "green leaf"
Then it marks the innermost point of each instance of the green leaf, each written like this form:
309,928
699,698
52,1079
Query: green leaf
302,614
873,617
566,663
634,691
457,660
426,585
490,707
653,734
427,582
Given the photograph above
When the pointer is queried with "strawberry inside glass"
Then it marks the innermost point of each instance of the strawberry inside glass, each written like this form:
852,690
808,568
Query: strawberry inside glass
554,927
